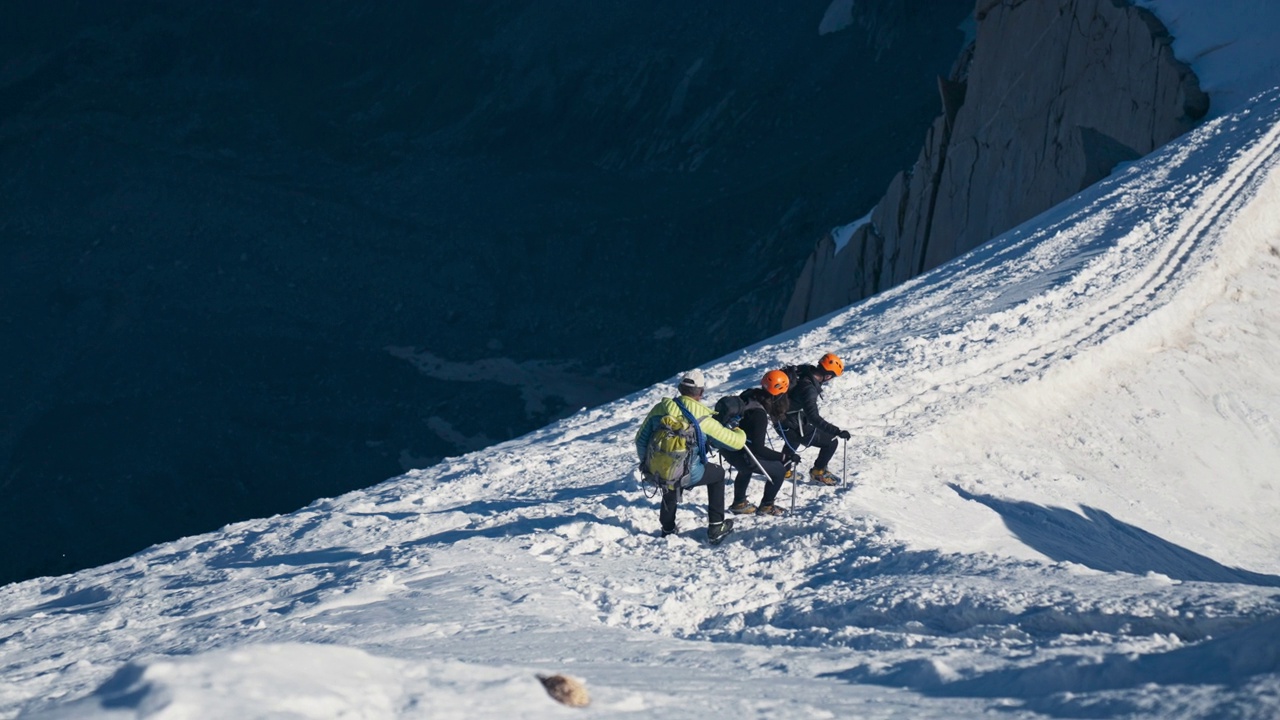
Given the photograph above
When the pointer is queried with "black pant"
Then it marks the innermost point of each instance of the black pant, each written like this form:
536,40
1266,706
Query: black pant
813,437
713,478
774,471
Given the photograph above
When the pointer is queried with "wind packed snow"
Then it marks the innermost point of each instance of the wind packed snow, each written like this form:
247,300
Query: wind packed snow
841,235
1061,501
1231,45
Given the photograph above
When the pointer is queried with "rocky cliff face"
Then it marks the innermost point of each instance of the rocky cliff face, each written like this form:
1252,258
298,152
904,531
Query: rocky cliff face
1050,96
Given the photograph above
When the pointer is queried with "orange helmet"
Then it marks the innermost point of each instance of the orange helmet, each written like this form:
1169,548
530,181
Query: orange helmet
775,382
831,364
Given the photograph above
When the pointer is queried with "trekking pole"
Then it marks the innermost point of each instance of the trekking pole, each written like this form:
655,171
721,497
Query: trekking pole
752,455
844,462
782,433
794,482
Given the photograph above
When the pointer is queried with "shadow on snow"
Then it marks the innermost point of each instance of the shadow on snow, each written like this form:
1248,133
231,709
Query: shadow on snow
1098,540
1056,686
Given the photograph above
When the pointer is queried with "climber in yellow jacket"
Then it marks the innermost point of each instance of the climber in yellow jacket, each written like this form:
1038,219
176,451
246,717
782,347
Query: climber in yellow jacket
697,471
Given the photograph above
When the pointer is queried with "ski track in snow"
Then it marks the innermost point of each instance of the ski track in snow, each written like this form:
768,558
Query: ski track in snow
1099,292
449,583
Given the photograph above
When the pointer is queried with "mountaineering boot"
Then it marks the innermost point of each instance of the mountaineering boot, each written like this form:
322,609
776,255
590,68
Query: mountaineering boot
824,476
770,510
719,531
672,531
742,507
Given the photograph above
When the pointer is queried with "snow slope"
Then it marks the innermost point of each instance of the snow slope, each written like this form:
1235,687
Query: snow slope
1231,44
1063,503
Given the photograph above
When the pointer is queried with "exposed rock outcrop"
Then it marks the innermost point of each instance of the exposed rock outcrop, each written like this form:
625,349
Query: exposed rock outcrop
1050,96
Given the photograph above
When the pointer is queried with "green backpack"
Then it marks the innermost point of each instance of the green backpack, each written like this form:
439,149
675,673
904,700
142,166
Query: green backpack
672,444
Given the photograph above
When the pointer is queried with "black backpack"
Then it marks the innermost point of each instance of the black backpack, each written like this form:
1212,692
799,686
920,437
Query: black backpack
795,414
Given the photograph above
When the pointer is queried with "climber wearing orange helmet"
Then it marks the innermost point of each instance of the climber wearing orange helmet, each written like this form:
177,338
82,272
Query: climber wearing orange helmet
775,383
758,408
804,425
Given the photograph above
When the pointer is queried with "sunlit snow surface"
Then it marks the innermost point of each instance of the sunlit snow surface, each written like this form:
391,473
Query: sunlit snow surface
1062,502
1231,45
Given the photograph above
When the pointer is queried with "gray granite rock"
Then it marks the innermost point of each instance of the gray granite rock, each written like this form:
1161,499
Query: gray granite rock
1046,101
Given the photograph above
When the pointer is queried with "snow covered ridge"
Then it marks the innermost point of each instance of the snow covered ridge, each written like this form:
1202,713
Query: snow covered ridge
1064,505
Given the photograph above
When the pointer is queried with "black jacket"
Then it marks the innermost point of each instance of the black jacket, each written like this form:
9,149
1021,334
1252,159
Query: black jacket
803,395
755,423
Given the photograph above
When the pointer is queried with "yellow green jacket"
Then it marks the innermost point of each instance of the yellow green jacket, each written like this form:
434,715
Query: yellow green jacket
717,434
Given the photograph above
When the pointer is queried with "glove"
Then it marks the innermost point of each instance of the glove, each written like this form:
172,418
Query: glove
790,457
844,435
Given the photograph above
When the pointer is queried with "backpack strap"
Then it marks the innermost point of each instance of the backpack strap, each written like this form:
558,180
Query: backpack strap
697,429
782,433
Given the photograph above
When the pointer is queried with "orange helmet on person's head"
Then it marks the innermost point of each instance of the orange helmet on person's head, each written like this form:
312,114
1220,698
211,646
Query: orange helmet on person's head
775,382
831,364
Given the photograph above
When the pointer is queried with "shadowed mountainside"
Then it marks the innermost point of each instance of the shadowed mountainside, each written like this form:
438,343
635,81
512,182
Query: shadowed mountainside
255,254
